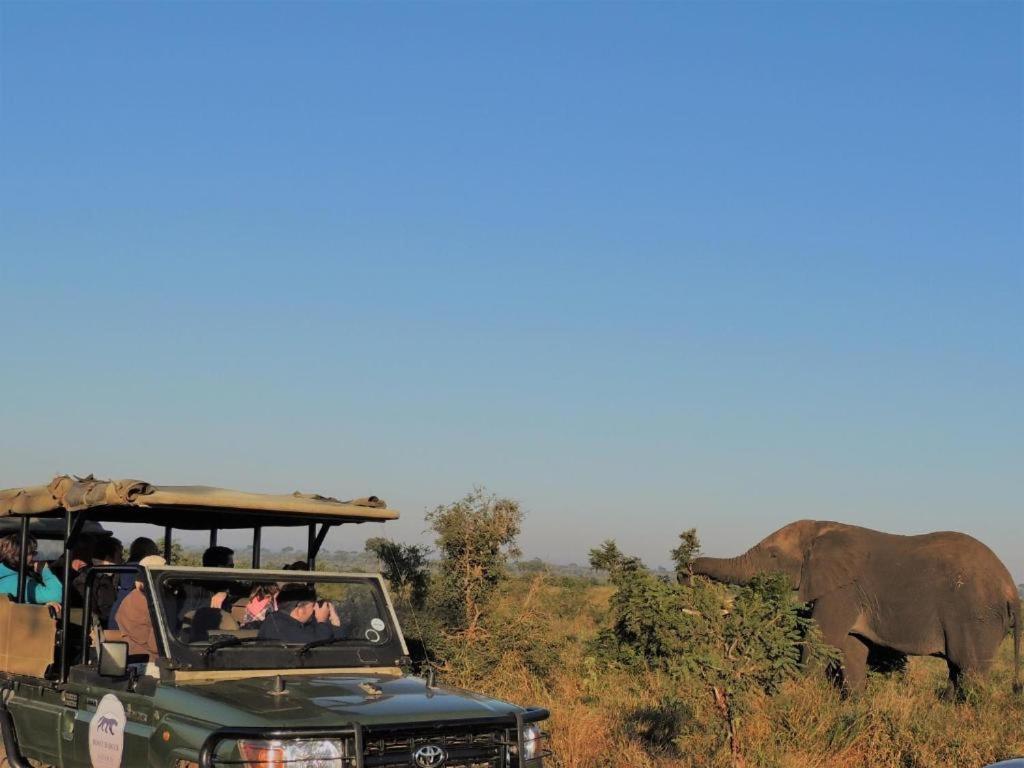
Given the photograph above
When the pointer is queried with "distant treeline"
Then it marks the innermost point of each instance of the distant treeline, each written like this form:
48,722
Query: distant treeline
367,562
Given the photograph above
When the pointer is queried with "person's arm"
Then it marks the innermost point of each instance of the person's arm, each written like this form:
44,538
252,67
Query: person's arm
8,582
150,640
50,591
335,622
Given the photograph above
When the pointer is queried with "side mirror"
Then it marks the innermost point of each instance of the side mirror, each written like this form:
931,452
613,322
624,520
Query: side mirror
113,659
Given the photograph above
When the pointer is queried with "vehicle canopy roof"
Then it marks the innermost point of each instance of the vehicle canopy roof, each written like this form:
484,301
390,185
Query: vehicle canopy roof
49,528
184,506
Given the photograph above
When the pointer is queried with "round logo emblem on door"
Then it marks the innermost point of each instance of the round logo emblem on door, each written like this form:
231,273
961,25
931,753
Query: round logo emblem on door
106,733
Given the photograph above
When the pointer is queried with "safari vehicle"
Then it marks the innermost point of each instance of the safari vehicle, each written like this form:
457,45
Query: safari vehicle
222,691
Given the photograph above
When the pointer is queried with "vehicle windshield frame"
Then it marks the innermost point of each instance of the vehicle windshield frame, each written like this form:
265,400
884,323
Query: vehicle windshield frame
391,652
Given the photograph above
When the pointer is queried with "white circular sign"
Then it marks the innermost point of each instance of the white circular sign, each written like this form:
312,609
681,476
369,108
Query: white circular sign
106,733
377,624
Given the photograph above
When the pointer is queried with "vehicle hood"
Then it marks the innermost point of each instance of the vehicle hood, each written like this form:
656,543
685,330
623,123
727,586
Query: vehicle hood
328,700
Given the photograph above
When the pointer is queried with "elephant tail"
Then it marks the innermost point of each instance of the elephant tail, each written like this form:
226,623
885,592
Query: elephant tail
1015,610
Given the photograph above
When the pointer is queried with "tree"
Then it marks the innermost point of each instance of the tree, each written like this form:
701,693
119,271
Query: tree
405,568
476,539
608,557
182,556
683,555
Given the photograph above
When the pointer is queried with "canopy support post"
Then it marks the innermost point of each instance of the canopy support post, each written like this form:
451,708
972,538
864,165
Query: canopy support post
316,542
65,618
257,543
310,542
213,537
23,561
167,543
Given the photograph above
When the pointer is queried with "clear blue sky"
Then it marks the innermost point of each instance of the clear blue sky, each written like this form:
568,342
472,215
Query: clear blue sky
641,266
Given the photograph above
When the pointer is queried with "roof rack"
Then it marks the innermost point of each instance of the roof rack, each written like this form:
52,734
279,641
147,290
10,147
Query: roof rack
192,507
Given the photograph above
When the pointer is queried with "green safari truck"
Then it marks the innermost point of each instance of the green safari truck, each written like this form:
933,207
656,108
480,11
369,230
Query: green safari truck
223,666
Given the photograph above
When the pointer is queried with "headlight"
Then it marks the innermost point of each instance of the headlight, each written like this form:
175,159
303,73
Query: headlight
532,741
304,753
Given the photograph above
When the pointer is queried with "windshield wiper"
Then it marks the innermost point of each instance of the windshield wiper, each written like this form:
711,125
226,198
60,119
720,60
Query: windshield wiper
322,641
227,642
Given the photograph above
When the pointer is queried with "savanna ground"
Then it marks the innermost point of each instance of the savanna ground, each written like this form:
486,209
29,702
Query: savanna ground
603,717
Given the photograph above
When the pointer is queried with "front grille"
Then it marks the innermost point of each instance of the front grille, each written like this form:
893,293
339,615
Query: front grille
465,748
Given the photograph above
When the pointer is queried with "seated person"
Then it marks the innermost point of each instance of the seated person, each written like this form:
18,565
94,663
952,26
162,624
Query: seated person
125,583
133,616
197,596
262,600
42,585
80,554
299,618
207,621
106,551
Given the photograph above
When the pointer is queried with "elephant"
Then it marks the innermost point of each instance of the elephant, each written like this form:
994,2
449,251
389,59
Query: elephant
938,594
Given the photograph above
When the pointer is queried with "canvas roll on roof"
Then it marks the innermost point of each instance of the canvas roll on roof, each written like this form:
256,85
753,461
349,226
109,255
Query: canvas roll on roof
184,506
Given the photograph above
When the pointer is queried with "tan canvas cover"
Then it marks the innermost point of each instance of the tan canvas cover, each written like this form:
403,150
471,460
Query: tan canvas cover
27,638
184,506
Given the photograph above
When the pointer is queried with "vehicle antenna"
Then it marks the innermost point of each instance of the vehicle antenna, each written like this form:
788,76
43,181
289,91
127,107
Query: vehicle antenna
279,688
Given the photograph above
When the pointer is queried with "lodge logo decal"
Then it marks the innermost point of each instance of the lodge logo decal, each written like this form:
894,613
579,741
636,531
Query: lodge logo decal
106,733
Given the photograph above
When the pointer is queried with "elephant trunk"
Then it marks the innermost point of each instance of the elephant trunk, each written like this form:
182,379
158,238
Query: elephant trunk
730,570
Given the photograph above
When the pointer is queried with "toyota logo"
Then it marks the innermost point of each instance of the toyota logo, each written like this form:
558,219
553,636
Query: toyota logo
429,756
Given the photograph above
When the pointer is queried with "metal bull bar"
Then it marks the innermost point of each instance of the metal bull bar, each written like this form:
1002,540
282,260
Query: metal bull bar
355,731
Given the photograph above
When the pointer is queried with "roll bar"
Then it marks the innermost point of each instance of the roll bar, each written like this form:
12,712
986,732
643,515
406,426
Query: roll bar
90,577
73,524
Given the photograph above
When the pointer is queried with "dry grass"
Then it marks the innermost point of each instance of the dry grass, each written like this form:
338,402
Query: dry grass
901,721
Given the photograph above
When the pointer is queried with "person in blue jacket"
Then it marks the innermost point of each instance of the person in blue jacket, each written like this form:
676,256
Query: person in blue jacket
42,585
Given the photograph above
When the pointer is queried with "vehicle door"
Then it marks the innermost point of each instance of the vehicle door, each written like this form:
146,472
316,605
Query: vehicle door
111,721
108,721
27,641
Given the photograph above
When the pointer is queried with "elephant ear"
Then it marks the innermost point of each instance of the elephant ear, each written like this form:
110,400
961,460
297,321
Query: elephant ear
834,560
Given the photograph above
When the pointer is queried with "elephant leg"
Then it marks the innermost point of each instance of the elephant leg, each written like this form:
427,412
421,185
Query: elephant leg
968,654
855,664
836,613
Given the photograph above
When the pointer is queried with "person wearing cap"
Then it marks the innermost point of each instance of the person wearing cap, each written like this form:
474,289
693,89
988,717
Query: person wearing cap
300,618
133,615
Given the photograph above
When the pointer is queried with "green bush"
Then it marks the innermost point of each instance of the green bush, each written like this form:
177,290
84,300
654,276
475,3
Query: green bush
738,642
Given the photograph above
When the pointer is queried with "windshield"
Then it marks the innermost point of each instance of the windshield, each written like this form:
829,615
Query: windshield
232,619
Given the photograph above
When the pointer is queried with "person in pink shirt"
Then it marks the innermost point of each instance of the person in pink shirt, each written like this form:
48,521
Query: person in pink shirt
262,600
